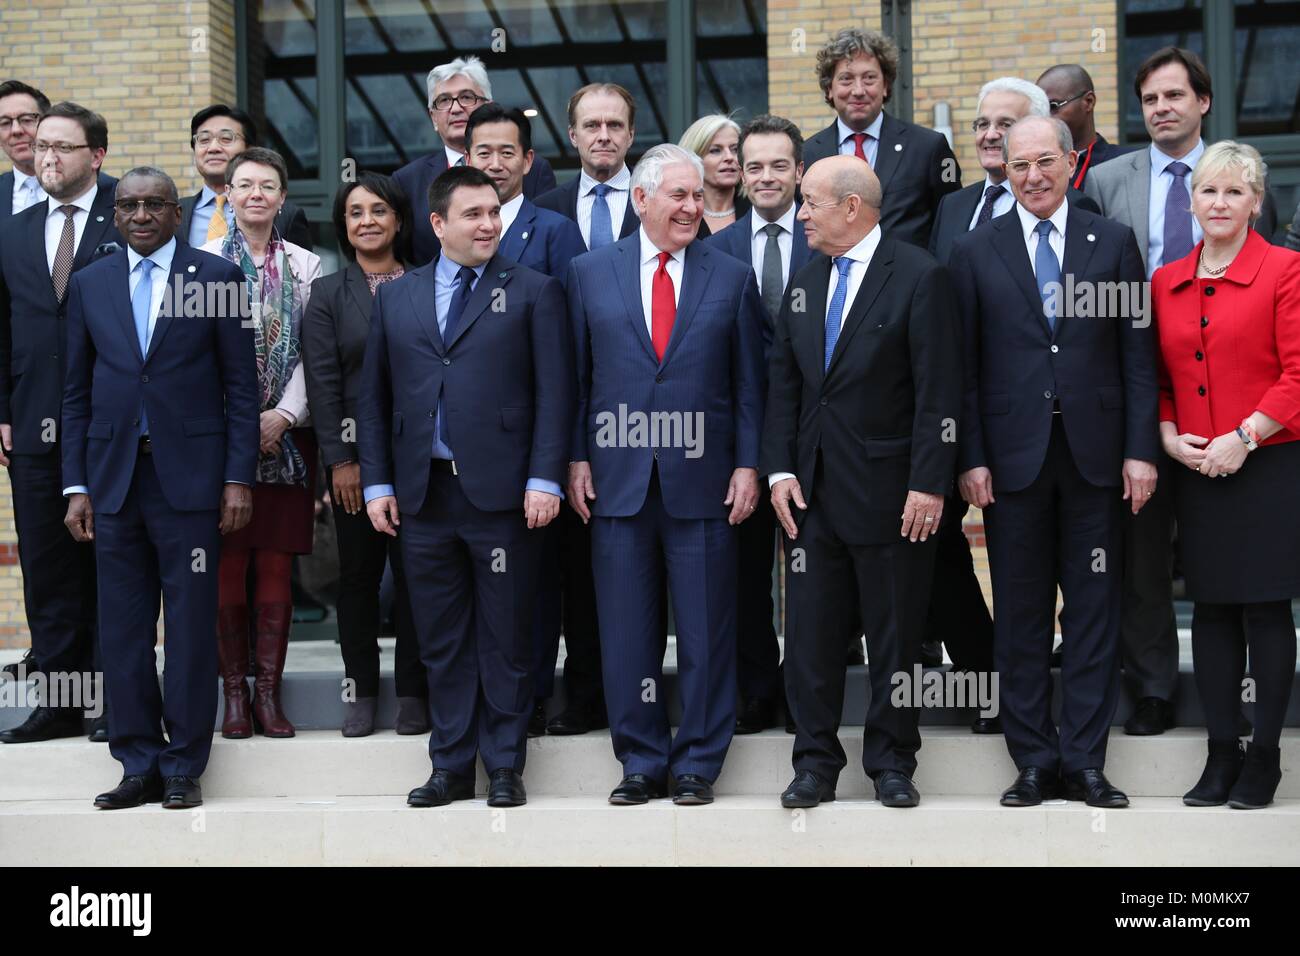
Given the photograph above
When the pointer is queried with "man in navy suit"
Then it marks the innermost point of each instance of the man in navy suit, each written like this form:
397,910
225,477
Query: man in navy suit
160,417
669,342
465,411
40,250
1073,100
456,89
770,239
1058,429
20,112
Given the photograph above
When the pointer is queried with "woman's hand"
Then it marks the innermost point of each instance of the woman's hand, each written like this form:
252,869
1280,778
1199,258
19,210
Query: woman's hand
1186,449
274,425
1224,456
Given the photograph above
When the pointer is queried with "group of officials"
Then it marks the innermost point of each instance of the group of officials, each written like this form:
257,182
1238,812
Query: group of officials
861,354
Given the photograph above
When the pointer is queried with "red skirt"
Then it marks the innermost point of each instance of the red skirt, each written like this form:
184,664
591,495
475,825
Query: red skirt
283,515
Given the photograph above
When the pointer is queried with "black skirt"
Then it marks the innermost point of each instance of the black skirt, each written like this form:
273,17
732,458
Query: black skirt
1239,536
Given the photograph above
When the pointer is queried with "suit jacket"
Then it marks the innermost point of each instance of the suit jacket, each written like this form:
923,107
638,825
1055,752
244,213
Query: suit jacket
416,176
710,379
1122,188
564,200
1101,369
508,375
916,168
882,415
290,222
542,240
1293,233
197,385
956,209
33,324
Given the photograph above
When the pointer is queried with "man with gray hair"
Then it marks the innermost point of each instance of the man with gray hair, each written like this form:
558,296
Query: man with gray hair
669,339
456,89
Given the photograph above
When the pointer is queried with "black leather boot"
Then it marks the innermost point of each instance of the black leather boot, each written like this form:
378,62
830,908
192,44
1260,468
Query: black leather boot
1222,768
1259,778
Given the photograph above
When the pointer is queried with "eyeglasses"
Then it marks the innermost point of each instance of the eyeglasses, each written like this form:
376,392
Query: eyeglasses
1057,104
27,120
63,149
825,205
1045,164
154,207
266,189
981,125
467,100
226,137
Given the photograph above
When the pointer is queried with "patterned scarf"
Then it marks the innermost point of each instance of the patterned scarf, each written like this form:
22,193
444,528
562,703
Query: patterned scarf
277,311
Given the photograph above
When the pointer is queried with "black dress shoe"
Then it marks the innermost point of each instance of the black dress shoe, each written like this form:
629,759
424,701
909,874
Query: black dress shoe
807,789
1032,787
692,789
98,729
931,654
506,788
986,725
1092,787
577,719
895,789
44,723
635,789
27,664
756,715
1151,716
854,655
441,789
133,791
181,793
537,722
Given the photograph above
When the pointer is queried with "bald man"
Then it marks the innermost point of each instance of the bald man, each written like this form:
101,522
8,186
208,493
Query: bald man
859,449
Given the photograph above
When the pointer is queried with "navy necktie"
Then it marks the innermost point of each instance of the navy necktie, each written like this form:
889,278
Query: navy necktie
455,309
1178,216
602,232
1047,271
836,312
991,194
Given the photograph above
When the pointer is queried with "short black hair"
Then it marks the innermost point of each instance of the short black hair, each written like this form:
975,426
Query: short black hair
221,109
152,172
496,113
12,87
767,123
387,189
92,124
440,189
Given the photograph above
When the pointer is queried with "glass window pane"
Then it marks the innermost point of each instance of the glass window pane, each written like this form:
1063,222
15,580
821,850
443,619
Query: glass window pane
1267,45
731,58
1148,26
281,47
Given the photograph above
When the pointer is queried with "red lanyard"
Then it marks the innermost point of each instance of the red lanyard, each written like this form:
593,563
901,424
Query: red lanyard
1083,169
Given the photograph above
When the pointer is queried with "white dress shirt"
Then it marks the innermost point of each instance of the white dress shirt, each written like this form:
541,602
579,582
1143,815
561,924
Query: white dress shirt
510,212
619,195
649,266
1002,204
1055,238
1161,182
784,242
54,222
27,191
453,157
870,145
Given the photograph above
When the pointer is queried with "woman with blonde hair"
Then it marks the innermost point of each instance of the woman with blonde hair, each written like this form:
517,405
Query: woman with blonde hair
716,140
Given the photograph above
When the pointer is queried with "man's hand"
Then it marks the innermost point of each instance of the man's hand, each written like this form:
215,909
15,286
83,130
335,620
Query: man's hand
581,488
273,427
346,481
236,507
80,519
921,514
742,494
6,442
1224,456
976,487
783,492
1140,482
383,514
540,508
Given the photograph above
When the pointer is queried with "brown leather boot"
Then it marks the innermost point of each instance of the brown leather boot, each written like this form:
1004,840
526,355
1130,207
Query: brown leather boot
232,655
273,622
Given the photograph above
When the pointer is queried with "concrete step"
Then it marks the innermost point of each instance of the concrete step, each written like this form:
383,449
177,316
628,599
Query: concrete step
575,830
952,762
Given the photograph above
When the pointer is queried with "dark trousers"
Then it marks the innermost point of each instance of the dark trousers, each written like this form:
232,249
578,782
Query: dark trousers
632,558
472,577
362,554
1221,635
1059,529
567,596
832,588
146,552
58,573
758,655
960,618
1148,629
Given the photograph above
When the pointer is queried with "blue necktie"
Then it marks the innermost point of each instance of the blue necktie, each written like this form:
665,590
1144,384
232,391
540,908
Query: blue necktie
1178,216
836,312
1047,271
455,309
140,302
602,233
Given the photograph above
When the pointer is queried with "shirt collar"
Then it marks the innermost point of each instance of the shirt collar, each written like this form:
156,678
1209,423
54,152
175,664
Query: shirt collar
1160,160
21,179
160,257
649,251
1029,222
453,157
620,180
206,197
988,181
866,246
758,223
82,202
448,267
512,207
873,130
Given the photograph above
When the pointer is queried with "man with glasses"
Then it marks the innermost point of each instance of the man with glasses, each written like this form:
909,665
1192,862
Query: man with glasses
41,248
218,134
1072,99
456,89
20,109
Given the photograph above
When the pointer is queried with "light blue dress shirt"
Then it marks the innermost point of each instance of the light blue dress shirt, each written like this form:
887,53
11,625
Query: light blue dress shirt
1160,185
202,216
870,145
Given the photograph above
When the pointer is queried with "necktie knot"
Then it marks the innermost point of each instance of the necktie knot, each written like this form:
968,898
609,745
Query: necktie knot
991,193
601,190
663,261
772,229
1044,228
843,263
145,267
1179,170
68,210
859,139
466,277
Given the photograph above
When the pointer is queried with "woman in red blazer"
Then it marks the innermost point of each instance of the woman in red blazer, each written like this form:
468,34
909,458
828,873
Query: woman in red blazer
1228,318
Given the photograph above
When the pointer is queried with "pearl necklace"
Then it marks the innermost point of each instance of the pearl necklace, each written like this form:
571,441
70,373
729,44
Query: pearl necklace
722,214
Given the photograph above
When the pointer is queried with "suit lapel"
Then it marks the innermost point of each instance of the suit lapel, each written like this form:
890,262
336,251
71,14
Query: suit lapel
495,276
354,280
422,295
696,270
631,221
1138,186
888,155
965,204
808,327
36,246
188,205
740,236
119,295
1080,243
799,252
7,195
878,272
98,222
571,198
184,269
629,283
1010,245
517,237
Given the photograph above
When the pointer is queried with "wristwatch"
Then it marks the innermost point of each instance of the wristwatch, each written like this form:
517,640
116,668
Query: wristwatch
1246,440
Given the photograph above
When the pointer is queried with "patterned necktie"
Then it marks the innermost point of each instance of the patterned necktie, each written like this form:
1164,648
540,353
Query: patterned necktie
663,306
835,313
141,300
602,232
773,274
461,161
217,225
1047,271
455,309
63,256
991,194
858,151
1178,216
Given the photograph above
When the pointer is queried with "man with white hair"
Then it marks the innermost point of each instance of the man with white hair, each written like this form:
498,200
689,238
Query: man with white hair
669,339
456,89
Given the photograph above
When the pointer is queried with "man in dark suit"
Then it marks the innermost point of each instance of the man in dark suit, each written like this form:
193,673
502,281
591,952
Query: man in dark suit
40,249
915,166
456,89
769,238
466,406
1059,414
218,134
602,125
160,445
864,389
1073,99
669,343
20,111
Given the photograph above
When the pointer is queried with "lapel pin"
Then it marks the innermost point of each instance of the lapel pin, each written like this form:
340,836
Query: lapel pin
190,269
524,236
898,147
501,275
99,219
1091,237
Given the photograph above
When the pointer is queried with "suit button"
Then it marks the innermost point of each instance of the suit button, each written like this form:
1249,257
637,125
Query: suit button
446,361
136,422
1204,321
1200,356
1047,394
656,456
1209,290
825,402
145,379
1055,349
1200,390
659,379
431,413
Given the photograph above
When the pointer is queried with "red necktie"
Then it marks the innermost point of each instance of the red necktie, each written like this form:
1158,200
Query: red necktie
663,307
858,151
